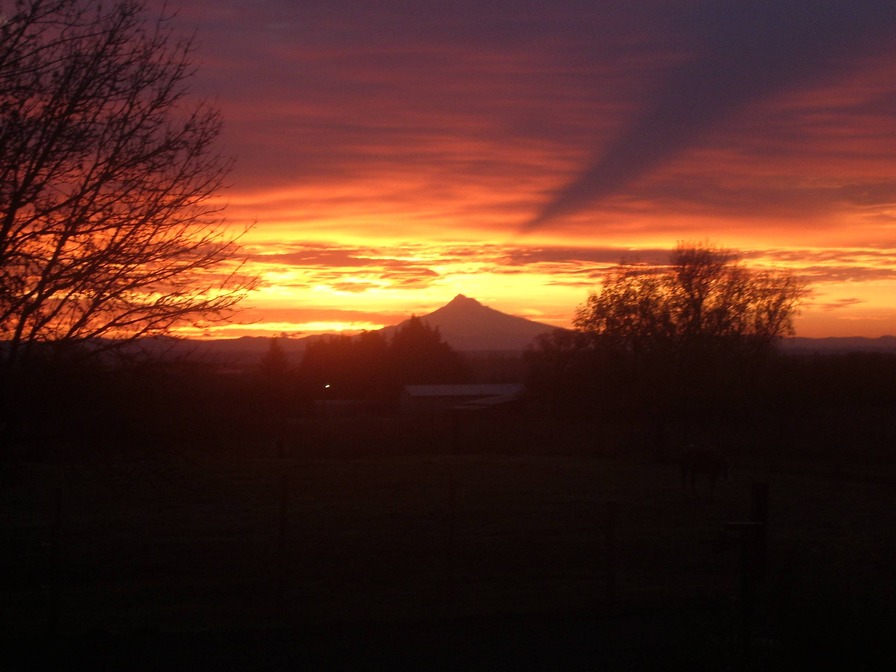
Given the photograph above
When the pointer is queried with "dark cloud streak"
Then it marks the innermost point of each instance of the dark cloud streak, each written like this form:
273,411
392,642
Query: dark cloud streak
740,53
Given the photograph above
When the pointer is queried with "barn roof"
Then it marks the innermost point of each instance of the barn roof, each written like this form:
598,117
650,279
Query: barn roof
469,390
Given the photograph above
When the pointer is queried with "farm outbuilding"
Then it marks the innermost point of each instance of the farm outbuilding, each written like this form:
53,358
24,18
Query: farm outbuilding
468,418
417,399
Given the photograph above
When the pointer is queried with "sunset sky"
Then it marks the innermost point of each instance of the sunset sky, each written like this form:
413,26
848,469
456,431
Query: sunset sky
393,154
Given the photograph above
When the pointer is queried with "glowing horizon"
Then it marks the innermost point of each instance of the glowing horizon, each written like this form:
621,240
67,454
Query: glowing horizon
390,160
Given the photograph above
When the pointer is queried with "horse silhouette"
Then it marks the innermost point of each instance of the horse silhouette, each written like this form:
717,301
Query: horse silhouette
702,460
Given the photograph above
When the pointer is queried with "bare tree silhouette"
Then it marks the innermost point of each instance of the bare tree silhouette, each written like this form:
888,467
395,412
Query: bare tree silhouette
108,222
705,299
693,334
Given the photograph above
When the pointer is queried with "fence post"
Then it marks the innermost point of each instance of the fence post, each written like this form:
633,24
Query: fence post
55,563
281,545
451,542
610,535
753,556
759,515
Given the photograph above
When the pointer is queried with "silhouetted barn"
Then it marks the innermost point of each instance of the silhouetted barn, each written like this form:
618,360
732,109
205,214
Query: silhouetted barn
463,418
427,399
342,408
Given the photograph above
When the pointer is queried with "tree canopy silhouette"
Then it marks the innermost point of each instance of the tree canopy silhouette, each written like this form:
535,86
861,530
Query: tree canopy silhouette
691,337
418,355
345,367
372,366
704,300
108,222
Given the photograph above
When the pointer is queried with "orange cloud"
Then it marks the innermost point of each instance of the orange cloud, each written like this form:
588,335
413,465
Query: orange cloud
389,158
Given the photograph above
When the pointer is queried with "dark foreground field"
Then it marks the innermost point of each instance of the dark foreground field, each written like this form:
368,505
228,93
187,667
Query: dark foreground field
420,561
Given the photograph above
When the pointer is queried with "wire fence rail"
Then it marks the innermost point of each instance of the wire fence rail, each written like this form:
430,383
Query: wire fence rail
296,543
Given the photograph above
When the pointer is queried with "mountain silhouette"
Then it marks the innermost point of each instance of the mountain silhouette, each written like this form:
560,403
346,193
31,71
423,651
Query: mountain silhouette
467,325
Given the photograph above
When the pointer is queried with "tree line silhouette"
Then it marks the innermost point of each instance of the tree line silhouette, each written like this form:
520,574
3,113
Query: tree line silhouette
374,367
673,372
685,344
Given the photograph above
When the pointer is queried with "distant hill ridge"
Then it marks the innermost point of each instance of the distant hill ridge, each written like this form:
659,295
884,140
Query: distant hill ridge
467,326
832,344
464,323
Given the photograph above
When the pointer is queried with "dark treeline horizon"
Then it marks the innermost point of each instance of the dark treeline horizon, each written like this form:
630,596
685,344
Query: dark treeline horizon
152,407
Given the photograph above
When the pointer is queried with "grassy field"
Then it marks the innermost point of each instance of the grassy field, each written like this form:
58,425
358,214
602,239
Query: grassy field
511,559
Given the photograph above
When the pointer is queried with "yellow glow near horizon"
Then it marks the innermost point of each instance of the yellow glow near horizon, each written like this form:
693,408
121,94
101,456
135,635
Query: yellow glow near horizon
330,286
